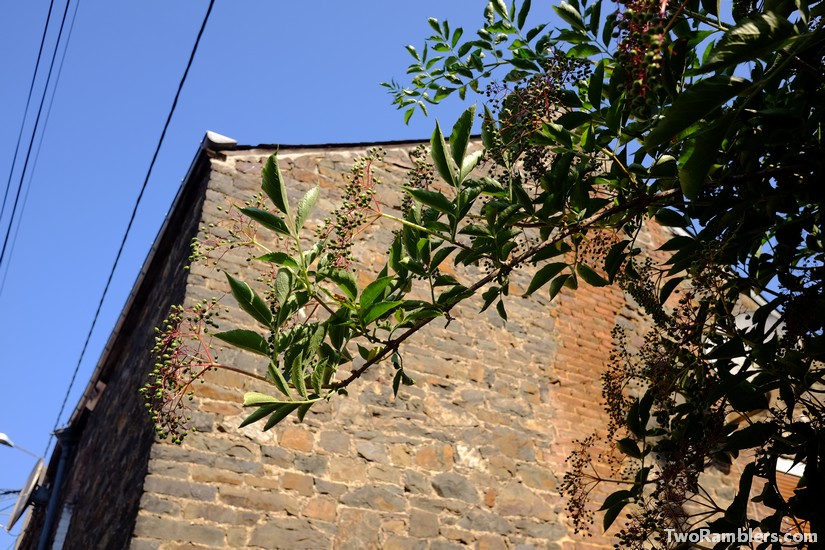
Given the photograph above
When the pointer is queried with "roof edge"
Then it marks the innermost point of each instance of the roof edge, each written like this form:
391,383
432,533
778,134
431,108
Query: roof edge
210,142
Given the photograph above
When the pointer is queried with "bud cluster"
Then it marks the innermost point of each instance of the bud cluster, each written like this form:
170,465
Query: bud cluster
359,207
182,354
419,177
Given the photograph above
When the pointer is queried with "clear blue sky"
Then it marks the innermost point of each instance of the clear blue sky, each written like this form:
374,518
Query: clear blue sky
266,72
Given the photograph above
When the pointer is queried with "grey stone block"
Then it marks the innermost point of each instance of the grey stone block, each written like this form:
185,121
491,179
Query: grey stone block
452,485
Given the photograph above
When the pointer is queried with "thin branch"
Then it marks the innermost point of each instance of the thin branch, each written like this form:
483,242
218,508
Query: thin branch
392,345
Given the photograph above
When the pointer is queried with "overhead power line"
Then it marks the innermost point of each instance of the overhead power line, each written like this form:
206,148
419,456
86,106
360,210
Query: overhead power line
132,218
39,146
26,110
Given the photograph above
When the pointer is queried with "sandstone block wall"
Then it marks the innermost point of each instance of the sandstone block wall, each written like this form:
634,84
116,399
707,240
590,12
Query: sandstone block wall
471,456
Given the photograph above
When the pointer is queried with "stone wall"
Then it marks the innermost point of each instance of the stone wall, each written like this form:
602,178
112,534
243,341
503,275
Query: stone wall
471,456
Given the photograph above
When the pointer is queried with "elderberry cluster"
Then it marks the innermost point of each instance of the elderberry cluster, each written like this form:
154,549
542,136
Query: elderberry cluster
420,176
641,33
182,357
359,207
523,107
578,483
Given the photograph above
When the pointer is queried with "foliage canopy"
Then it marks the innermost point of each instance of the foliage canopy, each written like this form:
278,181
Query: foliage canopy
707,123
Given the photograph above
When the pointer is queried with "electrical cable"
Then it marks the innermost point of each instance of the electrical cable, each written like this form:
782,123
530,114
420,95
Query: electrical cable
26,110
131,220
39,146
31,141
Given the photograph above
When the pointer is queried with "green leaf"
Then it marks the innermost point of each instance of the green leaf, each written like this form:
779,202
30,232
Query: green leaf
376,311
574,119
698,156
525,64
413,53
594,90
664,166
400,377
590,276
439,154
280,413
396,382
302,411
343,278
629,447
268,220
668,288
433,199
556,133
283,286
500,309
453,295
737,512
595,11
615,258
694,104
256,399
501,8
516,75
588,142
750,39
277,378
467,165
621,495
488,129
544,275
456,36
297,376
250,301
607,30
671,218
318,378
583,51
460,136
279,258
754,435
245,339
316,339
634,423
678,242
747,397
612,513
305,206
374,291
368,354
532,33
711,6
259,414
272,183
522,14
557,284
570,15
440,255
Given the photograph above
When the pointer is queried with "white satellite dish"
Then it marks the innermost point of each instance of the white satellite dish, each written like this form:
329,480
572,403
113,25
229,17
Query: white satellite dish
30,493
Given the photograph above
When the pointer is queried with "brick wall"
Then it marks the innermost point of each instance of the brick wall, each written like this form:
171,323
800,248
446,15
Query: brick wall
471,456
